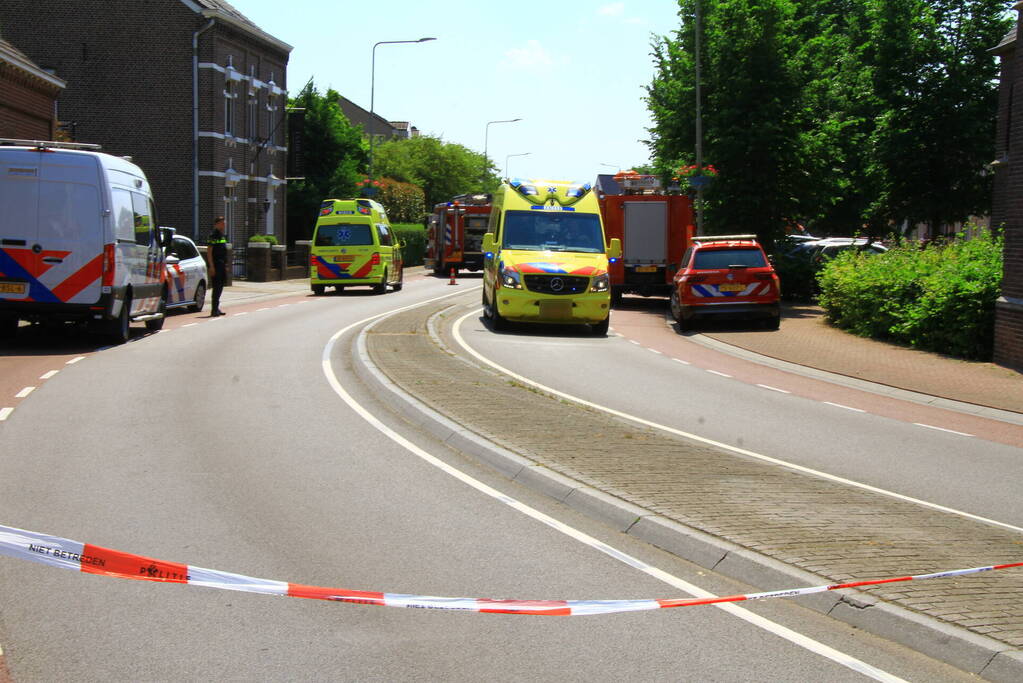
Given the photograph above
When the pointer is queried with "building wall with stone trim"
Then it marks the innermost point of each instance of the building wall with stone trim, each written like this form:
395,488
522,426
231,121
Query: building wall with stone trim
129,66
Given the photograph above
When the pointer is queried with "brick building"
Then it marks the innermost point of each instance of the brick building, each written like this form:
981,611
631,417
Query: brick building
1007,204
192,90
28,109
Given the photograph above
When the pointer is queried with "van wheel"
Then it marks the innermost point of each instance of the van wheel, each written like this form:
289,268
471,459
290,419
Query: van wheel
381,287
156,324
199,300
119,330
318,290
600,329
490,312
401,277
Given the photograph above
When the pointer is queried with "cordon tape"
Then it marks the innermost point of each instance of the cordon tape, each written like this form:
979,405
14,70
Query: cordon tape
93,559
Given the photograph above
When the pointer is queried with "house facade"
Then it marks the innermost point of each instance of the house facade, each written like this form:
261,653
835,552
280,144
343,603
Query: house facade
192,90
1007,203
28,108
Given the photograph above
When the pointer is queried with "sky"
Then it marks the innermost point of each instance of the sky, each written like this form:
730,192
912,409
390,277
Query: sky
573,71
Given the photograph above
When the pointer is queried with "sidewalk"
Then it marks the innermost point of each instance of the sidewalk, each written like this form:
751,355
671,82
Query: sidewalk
805,338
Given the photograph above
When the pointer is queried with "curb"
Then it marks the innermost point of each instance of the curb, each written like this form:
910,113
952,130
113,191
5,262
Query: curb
972,653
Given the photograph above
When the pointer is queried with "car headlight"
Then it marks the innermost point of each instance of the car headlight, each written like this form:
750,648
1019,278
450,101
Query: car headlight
511,278
601,283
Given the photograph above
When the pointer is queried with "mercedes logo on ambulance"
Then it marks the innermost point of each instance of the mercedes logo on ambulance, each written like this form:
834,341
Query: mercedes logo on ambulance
557,284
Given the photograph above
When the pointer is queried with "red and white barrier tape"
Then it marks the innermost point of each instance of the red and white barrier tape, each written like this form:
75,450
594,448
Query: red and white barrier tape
93,559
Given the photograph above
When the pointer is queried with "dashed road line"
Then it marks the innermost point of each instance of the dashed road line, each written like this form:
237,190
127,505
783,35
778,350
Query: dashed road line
941,429
49,374
770,388
5,413
24,392
683,362
189,325
715,372
839,405
75,360
655,351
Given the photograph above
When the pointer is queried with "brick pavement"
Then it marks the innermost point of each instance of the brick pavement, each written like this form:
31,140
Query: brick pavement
838,533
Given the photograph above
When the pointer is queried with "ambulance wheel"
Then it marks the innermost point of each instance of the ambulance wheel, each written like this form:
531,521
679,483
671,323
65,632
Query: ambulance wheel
8,326
156,324
119,330
600,329
401,279
318,290
199,300
381,287
490,312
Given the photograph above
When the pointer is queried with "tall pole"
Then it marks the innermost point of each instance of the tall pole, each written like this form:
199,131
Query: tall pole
486,134
523,154
699,128
372,92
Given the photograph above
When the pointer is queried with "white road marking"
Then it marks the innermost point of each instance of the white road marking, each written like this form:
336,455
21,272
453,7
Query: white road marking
456,332
75,360
633,341
5,413
242,313
715,372
190,325
683,362
739,612
780,391
839,405
49,374
265,308
941,429
24,392
655,351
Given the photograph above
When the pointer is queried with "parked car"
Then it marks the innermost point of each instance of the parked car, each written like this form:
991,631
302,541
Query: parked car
186,275
726,276
830,247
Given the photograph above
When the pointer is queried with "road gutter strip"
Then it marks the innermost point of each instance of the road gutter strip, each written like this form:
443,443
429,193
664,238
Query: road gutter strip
971,652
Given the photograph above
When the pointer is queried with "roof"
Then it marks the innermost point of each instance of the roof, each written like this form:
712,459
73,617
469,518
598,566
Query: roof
16,58
225,11
1007,44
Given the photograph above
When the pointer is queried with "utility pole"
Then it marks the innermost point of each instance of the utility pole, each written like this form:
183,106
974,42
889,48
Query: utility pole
699,128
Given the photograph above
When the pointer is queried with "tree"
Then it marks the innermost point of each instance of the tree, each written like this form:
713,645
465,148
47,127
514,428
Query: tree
441,169
335,156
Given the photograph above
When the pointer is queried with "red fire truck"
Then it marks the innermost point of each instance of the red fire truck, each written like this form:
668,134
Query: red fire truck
454,235
655,229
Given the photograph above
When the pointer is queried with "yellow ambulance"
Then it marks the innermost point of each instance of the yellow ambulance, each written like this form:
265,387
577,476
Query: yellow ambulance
353,245
545,256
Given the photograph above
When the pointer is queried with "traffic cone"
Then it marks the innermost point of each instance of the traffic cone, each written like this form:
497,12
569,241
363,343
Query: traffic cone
452,280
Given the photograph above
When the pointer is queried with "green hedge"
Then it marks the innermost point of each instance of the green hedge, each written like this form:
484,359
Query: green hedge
414,237
939,298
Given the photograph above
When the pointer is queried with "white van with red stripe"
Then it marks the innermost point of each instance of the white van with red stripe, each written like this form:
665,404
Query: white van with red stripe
78,240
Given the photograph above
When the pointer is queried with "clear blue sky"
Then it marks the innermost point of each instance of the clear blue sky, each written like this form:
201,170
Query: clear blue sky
572,70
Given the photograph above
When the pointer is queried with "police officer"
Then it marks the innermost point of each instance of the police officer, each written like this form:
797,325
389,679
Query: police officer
216,261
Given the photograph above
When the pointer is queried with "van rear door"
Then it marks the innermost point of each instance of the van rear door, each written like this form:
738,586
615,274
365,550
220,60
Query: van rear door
51,242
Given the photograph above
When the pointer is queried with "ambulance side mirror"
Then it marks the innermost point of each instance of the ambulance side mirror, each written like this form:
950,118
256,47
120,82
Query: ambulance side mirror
488,244
614,250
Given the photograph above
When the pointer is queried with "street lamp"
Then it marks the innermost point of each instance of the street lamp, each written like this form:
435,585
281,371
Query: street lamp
486,134
523,154
372,88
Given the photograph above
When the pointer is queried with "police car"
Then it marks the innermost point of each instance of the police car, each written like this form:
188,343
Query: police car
186,275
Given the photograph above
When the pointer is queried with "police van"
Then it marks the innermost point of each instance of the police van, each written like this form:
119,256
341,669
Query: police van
546,256
353,245
78,240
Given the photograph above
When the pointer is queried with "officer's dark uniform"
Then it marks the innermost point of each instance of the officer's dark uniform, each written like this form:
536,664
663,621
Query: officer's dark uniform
217,246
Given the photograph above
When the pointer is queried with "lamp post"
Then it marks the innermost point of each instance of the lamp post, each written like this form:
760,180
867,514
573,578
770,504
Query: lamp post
372,89
699,125
486,134
523,154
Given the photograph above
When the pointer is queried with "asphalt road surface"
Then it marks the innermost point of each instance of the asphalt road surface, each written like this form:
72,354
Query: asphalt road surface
220,443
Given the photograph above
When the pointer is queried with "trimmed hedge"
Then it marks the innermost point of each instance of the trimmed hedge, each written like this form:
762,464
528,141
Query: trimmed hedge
414,237
938,298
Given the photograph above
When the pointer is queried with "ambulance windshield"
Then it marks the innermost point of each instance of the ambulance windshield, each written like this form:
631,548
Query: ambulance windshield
553,231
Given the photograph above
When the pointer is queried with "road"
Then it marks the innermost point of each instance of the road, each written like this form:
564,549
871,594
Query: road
221,443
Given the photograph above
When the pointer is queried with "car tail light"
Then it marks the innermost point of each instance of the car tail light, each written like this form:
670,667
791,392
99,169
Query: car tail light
108,265
374,260
312,260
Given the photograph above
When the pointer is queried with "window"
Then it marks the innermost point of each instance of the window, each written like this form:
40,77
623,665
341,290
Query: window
385,234
124,218
725,258
344,234
143,219
554,231
229,96
253,120
67,211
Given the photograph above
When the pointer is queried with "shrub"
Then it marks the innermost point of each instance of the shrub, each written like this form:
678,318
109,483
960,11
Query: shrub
264,238
413,235
405,202
939,298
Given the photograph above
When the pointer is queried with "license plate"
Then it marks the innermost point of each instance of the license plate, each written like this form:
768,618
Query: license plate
731,288
16,288
556,309
646,269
